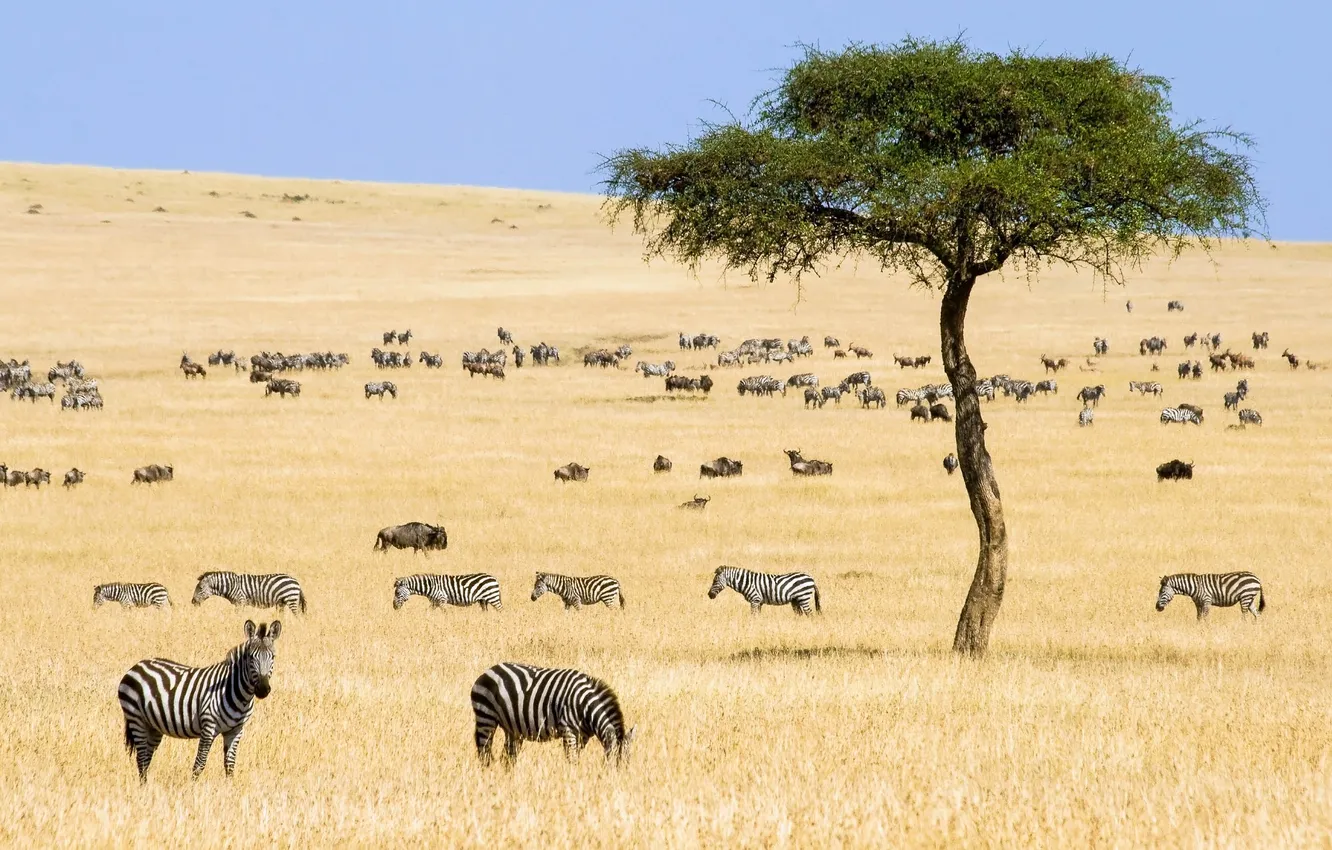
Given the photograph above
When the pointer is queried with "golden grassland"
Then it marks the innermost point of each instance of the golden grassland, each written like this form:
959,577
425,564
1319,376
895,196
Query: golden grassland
1095,720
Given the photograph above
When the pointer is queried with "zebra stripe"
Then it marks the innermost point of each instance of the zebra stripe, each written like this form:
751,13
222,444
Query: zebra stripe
540,704
1086,417
1221,590
1175,414
1249,416
579,591
472,589
277,590
795,589
147,595
160,697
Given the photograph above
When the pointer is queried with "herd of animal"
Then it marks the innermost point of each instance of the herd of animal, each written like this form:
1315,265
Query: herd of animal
161,698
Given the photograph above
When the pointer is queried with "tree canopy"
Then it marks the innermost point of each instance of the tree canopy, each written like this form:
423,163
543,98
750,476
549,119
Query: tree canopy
940,160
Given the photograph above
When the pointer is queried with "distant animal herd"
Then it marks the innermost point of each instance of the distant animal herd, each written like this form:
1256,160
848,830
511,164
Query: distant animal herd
161,698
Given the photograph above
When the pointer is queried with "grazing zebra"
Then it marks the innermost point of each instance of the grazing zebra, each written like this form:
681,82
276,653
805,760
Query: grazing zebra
1221,590
857,379
1249,416
1145,387
277,590
473,589
379,388
541,704
1182,416
149,595
833,394
1086,416
795,589
579,591
872,395
161,697
814,397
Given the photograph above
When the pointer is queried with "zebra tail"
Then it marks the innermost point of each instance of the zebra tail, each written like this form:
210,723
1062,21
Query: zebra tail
129,740
1262,599
818,606
302,601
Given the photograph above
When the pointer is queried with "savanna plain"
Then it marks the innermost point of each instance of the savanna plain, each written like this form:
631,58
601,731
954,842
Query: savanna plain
1093,721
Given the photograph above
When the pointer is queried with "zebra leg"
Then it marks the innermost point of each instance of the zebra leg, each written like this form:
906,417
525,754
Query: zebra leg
1204,606
205,744
485,735
144,747
231,740
512,744
754,607
572,744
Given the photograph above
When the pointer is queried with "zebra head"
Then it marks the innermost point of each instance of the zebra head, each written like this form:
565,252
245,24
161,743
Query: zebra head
620,747
720,581
256,656
99,595
401,593
209,585
1167,593
540,586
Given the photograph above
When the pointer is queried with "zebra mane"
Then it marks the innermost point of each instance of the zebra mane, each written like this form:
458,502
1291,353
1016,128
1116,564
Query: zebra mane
209,574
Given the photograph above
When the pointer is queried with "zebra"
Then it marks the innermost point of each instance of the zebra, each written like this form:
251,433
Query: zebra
795,589
1100,347
1249,416
651,370
1145,387
505,337
1221,590
804,379
473,589
1232,400
1046,386
379,388
1091,395
833,394
541,704
277,590
1182,416
161,697
579,591
1086,417
814,397
148,595
872,395
856,379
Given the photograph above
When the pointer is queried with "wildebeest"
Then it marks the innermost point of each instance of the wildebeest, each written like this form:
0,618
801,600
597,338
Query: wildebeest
73,477
11,477
505,337
1260,340
800,466
697,503
1174,470
950,463
153,473
722,467
193,370
572,472
941,413
36,478
921,412
1174,306
417,536
662,464
831,342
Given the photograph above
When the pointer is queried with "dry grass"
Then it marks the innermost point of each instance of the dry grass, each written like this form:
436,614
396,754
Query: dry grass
1095,722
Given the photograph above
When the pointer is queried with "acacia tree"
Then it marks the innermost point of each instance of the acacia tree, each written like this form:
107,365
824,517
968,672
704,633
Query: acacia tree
948,164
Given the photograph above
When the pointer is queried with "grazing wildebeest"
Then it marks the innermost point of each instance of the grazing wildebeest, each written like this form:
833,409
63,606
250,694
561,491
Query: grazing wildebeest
940,412
950,463
74,476
697,503
831,342
1174,470
193,370
662,464
417,536
12,477
153,473
722,467
921,412
572,472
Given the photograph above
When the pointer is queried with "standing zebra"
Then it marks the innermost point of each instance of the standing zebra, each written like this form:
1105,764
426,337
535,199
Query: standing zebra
472,589
148,595
541,704
160,697
277,590
1214,589
795,589
579,591
1086,416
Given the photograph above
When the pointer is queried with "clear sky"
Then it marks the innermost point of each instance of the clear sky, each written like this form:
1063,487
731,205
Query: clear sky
527,94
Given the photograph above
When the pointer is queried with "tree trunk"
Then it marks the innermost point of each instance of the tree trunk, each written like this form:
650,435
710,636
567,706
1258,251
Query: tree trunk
987,587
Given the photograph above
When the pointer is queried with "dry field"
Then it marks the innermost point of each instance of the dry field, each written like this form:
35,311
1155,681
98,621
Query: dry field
1095,721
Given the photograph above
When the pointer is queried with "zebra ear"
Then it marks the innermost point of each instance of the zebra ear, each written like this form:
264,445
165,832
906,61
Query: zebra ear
249,629
274,629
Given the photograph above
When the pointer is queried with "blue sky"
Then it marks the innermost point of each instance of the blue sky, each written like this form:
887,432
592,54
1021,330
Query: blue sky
528,94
